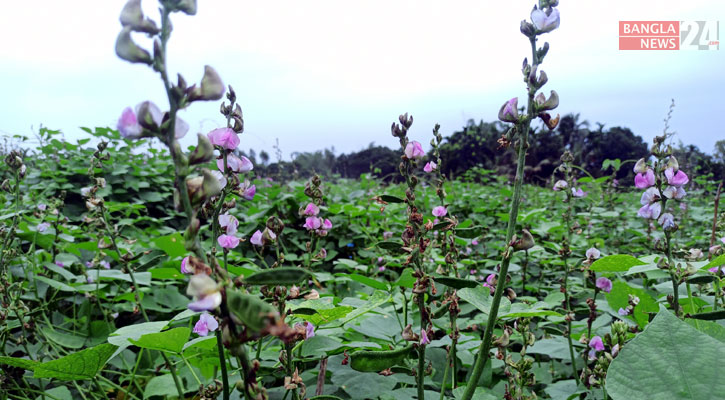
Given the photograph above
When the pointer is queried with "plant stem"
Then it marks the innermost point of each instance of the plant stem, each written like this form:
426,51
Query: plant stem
225,377
421,349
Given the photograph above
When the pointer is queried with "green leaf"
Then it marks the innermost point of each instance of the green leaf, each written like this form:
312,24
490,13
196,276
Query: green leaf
64,339
470,233
713,329
166,273
456,283
479,297
58,393
479,394
716,262
669,360
618,298
710,316
55,284
19,362
172,340
84,364
377,299
367,281
615,263
160,386
278,276
319,346
376,361
173,245
249,309
121,337
391,246
406,279
391,199
325,316
519,310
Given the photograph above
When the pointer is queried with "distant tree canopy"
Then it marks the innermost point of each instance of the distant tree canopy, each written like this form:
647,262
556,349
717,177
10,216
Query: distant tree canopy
476,146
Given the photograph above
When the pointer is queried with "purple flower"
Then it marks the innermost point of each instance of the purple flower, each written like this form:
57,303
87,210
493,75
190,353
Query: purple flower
89,264
256,238
676,179
667,221
473,272
578,192
509,111
43,226
604,284
430,166
220,177
543,22
623,311
424,337
235,164
310,331
224,137
381,268
489,287
228,241
491,279
387,235
89,279
593,253
248,191
597,345
205,292
229,222
674,192
414,150
312,223
185,267
128,124
206,323
60,264
560,185
474,242
42,206
644,180
311,210
326,224
105,264
615,350
440,211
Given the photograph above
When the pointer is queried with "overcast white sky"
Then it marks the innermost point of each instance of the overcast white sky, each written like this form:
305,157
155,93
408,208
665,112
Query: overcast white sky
322,73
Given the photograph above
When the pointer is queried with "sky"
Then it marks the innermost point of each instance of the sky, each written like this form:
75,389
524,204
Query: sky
328,73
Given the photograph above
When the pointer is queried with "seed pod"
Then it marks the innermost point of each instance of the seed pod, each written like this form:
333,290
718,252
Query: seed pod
376,361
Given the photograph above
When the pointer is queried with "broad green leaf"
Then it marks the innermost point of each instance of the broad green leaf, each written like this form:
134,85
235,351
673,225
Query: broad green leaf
479,297
64,339
278,276
122,336
55,284
160,386
19,362
479,394
470,233
669,360
716,262
519,310
456,283
376,361
390,246
172,340
319,346
710,328
57,393
368,281
325,316
173,245
377,299
391,199
84,364
166,273
204,342
406,279
249,309
142,278
618,298
615,263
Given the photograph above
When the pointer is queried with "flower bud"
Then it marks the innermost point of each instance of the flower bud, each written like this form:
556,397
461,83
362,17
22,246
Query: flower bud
672,163
526,242
149,116
551,103
188,7
640,167
275,224
211,184
132,17
527,28
204,151
211,88
127,50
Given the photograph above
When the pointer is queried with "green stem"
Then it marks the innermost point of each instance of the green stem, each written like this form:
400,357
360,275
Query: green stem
225,377
421,349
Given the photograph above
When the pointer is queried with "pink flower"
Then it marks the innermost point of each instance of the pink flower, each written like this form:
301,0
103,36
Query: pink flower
89,279
43,226
676,179
474,242
440,211
248,191
623,312
714,270
105,264
473,272
310,331
128,124
597,345
381,268
424,337
206,323
491,289
228,241
509,111
674,192
185,266
256,238
592,253
312,210
235,164
312,223
229,222
42,207
604,284
224,137
644,180
667,221
387,235
491,280
327,224
578,192
60,264
414,150
430,166
180,128
543,22
560,185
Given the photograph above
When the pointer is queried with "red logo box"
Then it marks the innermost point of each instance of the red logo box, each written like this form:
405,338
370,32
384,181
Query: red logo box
649,35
